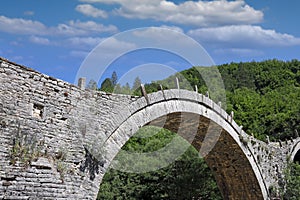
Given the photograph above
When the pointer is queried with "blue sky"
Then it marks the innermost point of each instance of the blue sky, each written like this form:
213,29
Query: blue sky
54,37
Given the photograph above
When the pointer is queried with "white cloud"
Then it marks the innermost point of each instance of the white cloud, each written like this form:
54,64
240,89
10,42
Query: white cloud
15,43
29,13
79,54
39,40
78,28
173,28
162,35
72,28
243,35
17,58
113,45
78,43
108,47
21,26
89,27
84,42
240,52
91,11
197,13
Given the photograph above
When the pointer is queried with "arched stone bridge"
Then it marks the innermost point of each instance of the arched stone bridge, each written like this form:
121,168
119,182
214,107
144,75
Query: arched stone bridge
57,140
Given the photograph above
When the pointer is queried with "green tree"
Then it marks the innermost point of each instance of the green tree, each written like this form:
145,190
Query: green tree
114,78
118,89
107,85
126,89
186,178
292,177
265,97
92,85
136,86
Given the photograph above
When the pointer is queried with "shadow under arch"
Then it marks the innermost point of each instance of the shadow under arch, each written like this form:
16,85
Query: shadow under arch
232,163
295,154
297,157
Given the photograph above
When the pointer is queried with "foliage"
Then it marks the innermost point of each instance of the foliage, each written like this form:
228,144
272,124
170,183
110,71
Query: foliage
92,85
25,149
107,85
110,84
292,177
136,88
126,89
114,78
265,98
188,177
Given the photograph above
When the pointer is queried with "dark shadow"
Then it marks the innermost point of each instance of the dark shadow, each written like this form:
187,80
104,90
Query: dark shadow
297,157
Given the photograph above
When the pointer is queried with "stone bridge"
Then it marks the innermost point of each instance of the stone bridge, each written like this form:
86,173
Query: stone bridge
57,140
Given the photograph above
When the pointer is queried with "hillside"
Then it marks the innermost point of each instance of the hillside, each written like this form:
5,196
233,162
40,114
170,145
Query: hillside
265,97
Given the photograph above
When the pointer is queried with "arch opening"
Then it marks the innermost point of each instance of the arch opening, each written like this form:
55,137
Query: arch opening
225,157
230,166
187,177
297,157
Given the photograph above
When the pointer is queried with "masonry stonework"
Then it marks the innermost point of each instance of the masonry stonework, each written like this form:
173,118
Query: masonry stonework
57,140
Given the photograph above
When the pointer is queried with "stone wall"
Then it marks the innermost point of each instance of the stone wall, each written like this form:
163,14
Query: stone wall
50,132
45,125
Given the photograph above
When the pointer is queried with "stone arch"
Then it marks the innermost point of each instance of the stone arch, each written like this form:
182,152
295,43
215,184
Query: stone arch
295,155
234,166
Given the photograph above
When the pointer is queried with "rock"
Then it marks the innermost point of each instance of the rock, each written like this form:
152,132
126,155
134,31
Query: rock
42,163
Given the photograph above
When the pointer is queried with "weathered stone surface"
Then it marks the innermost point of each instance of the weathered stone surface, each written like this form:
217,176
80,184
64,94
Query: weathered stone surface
42,163
57,140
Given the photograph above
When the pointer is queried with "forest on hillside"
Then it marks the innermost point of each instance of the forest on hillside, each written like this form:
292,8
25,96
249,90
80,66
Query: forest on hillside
265,98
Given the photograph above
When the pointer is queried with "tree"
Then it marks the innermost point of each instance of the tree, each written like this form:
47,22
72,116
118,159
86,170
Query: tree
137,83
92,85
107,85
292,177
136,86
265,97
126,89
114,78
188,177
118,89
